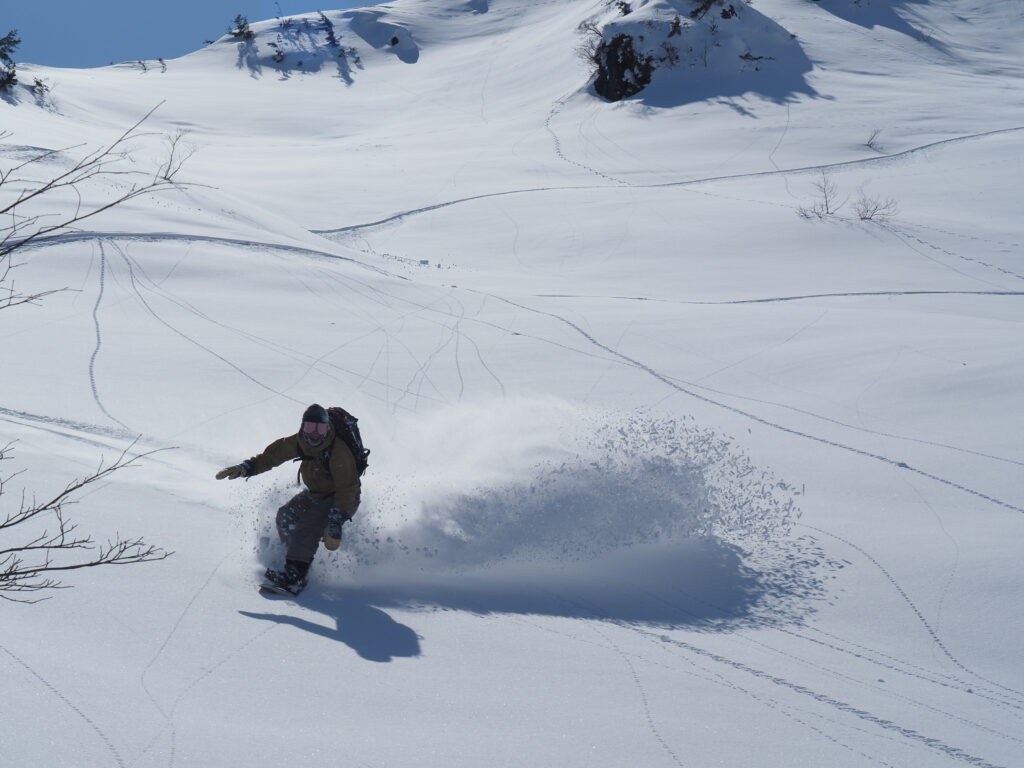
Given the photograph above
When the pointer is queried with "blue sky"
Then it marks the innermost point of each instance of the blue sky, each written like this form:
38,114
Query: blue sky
80,33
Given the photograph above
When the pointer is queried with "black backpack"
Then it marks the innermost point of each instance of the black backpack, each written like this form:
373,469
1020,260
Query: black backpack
346,428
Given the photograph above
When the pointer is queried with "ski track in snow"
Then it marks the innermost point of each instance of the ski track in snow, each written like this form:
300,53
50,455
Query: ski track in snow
99,341
73,430
882,160
1012,705
644,699
155,237
168,716
830,701
803,411
819,669
953,571
920,616
771,155
858,428
193,341
669,381
115,754
447,204
320,364
705,672
780,299
421,376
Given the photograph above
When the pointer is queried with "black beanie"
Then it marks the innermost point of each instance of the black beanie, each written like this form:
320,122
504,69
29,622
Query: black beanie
316,413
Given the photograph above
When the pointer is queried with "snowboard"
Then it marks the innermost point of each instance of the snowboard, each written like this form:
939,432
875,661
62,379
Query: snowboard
269,589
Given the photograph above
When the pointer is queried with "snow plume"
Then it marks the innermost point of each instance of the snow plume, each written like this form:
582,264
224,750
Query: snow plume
545,481
541,506
535,506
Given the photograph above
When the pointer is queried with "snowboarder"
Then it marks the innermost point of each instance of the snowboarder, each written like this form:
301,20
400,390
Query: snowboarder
329,471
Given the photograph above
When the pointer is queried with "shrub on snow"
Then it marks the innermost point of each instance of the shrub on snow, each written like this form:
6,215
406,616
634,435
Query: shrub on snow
717,38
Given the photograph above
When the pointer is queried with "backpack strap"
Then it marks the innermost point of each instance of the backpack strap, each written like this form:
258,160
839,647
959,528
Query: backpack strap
324,457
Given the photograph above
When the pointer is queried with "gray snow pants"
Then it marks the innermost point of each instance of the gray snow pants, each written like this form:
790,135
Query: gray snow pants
300,524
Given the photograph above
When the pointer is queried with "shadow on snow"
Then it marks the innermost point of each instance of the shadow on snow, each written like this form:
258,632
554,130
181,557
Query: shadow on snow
881,13
702,585
367,630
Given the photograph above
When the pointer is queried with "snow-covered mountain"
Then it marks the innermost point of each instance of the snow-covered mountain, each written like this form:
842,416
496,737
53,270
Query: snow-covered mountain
675,462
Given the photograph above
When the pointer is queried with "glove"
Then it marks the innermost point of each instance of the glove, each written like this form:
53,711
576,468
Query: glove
336,513
336,520
233,473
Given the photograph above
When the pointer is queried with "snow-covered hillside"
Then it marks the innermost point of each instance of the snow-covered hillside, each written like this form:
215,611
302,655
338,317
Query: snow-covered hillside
670,465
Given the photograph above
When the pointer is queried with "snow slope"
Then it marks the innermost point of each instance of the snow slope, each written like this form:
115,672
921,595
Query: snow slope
663,473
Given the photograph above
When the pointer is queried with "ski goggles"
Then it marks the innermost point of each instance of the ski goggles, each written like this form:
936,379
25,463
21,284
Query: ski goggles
314,428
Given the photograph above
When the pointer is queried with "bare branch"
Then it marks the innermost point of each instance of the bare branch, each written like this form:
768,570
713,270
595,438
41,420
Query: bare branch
827,202
875,208
872,142
28,566
22,229
592,36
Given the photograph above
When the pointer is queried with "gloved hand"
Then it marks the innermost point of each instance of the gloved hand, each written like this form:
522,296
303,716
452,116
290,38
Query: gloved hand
232,473
336,520
337,514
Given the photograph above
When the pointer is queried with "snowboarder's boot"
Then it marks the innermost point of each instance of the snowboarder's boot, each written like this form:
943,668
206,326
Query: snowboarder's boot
290,580
332,533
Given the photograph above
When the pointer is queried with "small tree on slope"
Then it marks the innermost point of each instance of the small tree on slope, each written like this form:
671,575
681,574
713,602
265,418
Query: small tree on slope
241,29
8,73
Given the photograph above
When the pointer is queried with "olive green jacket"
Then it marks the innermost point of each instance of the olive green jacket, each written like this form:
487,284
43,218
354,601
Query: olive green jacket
338,476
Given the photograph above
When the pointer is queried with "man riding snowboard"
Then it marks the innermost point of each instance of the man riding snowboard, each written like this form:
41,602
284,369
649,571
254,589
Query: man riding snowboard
329,472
